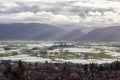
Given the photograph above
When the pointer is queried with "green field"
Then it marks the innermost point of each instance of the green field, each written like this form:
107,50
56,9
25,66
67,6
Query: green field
99,55
62,56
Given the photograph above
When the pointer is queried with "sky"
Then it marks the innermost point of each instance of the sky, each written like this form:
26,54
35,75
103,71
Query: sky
61,12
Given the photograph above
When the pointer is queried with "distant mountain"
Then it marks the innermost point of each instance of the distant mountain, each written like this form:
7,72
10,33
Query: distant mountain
39,31
103,34
83,28
29,31
72,35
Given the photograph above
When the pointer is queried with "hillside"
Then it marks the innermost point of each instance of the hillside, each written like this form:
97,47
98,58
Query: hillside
72,35
29,31
103,34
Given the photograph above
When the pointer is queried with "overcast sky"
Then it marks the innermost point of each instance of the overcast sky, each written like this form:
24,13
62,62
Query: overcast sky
91,12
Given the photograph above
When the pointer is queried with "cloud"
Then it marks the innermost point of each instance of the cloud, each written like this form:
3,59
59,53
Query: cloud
97,12
41,17
4,6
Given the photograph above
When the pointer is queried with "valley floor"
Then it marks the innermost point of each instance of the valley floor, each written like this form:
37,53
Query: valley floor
27,58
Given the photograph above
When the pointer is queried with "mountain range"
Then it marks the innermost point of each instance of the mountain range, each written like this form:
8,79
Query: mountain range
39,31
111,33
29,31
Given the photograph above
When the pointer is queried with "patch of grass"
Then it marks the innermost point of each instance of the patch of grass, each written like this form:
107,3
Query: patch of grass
99,55
117,50
3,55
33,54
8,54
66,56
44,56
62,56
26,51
